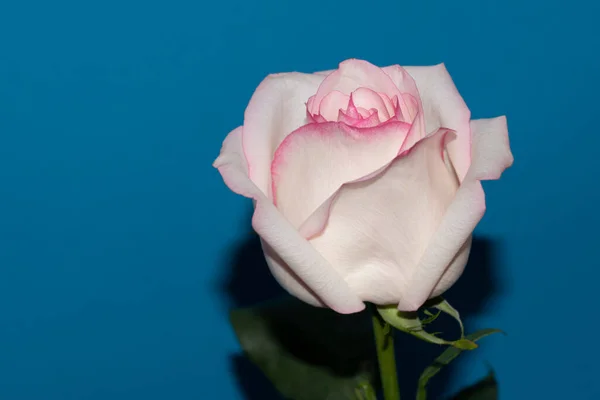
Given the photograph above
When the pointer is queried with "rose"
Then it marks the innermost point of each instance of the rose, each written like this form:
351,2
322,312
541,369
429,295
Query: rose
366,181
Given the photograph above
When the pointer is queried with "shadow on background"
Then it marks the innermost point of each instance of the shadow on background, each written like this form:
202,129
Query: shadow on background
249,282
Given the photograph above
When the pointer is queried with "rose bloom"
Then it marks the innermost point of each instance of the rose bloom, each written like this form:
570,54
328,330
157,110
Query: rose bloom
365,181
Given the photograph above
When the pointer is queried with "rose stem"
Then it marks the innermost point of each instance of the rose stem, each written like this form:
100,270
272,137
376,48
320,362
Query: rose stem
384,342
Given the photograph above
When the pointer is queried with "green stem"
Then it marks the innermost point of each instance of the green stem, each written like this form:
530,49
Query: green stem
384,342
365,392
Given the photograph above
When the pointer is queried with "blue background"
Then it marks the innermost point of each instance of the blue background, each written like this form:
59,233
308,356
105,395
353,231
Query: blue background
116,234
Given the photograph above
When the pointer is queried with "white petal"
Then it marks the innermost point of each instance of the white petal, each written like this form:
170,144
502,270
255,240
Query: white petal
378,228
444,259
444,107
491,148
314,161
298,267
276,109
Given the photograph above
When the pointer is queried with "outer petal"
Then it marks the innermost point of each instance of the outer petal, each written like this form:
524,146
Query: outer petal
315,160
374,231
402,79
324,73
353,74
491,148
446,255
444,107
277,107
297,266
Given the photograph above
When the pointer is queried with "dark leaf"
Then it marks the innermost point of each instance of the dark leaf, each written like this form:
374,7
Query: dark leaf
308,353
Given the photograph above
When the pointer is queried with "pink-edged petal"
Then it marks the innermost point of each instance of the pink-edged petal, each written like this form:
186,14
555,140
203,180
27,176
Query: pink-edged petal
445,257
315,160
363,112
332,104
348,120
353,74
443,106
409,102
297,266
368,99
374,231
314,118
369,122
389,104
276,108
351,111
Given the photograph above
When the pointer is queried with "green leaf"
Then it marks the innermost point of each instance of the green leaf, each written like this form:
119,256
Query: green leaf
430,316
464,344
309,353
410,322
485,389
445,358
442,305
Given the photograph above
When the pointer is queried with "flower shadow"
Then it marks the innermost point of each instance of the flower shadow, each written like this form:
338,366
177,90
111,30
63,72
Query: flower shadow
249,282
